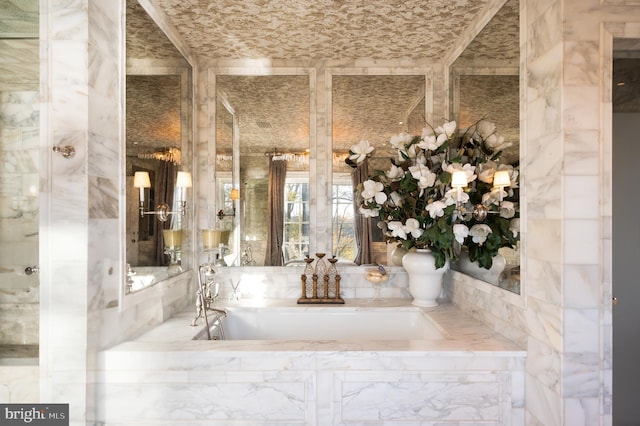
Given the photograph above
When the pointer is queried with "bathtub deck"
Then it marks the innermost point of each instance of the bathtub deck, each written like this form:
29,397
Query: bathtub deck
473,376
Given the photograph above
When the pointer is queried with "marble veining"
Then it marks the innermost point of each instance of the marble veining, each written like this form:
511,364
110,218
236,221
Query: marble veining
472,374
551,149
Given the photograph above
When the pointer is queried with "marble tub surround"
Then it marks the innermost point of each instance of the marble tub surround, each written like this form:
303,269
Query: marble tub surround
471,375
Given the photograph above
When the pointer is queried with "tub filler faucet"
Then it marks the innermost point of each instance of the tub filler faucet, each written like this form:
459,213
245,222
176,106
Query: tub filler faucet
207,293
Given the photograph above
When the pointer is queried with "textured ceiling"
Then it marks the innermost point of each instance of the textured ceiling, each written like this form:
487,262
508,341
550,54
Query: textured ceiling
499,40
144,40
321,29
273,111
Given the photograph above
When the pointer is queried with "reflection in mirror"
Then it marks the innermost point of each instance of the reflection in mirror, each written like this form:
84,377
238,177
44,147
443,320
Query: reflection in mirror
158,135
372,108
273,174
485,83
220,239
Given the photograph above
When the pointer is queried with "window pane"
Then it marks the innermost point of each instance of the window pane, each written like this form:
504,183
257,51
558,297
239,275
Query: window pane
344,243
296,222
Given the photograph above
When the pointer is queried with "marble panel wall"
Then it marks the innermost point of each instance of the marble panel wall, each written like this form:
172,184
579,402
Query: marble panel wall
18,217
81,251
565,314
19,132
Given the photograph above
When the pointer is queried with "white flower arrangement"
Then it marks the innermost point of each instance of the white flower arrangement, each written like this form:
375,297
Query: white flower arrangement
417,205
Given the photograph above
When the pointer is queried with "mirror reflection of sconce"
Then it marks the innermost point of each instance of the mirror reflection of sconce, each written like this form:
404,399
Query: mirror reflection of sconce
183,181
501,180
234,196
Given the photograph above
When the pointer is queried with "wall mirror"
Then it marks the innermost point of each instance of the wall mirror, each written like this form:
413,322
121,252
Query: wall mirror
485,82
271,216
372,108
158,146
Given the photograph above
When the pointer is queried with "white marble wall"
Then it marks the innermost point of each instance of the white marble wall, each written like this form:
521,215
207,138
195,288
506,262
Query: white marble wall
82,70
564,316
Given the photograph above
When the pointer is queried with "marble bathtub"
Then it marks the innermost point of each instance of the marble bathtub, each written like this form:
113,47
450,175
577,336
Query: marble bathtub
465,373
325,323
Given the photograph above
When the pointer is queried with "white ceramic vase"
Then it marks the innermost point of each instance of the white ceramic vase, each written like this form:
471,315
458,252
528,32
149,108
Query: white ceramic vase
472,269
425,281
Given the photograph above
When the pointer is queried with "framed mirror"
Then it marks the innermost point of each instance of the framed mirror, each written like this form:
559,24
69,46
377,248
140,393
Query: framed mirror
485,83
158,148
271,162
371,108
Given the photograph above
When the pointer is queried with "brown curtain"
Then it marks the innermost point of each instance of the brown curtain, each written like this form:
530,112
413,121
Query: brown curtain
364,234
164,186
275,212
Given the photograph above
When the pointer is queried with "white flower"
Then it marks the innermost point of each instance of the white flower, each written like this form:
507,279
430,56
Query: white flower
367,212
397,230
479,233
507,209
413,227
396,198
410,152
486,171
373,190
461,232
427,131
485,128
447,129
431,143
425,177
497,143
436,209
401,140
394,173
453,195
360,151
514,226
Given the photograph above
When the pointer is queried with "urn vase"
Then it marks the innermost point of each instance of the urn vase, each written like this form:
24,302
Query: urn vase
425,281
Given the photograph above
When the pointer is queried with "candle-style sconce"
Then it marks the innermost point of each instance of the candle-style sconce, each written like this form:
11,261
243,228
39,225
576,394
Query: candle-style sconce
234,196
501,180
183,181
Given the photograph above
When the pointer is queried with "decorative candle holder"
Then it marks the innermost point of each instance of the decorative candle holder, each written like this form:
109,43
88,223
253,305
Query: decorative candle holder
328,277
172,247
214,241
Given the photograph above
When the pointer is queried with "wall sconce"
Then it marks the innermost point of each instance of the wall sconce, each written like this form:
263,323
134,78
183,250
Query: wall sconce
183,181
234,195
459,181
501,180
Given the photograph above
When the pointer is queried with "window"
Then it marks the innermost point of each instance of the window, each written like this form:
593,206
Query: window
344,236
296,219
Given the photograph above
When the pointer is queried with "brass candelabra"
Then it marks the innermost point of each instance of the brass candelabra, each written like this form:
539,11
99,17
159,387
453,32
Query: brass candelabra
320,281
